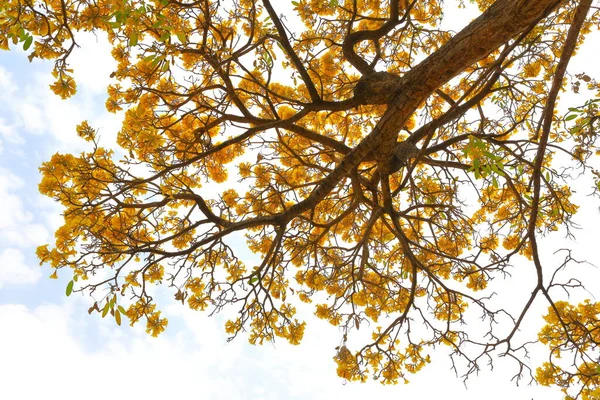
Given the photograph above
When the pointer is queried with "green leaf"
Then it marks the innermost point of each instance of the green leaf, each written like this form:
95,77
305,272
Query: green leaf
105,309
21,34
27,43
254,280
571,117
75,278
121,309
268,58
598,369
113,301
487,169
156,61
500,168
69,288
182,38
119,17
165,36
492,156
118,317
133,39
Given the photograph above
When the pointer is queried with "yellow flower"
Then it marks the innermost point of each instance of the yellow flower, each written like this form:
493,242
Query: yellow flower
85,131
229,197
154,273
156,325
532,69
64,87
511,242
197,302
112,106
296,332
42,253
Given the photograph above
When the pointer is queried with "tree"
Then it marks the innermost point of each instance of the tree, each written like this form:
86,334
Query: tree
356,131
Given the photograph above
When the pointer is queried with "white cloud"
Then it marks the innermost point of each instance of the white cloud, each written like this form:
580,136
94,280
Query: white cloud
26,236
14,271
43,346
92,62
9,132
7,86
41,111
17,224
31,117
33,109
11,212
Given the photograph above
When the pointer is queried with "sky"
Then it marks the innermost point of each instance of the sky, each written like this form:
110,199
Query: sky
51,348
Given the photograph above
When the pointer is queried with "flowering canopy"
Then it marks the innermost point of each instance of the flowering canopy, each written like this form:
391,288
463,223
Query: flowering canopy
385,169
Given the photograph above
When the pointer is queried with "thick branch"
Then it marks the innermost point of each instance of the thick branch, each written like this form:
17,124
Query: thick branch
285,43
568,50
498,24
356,37
502,21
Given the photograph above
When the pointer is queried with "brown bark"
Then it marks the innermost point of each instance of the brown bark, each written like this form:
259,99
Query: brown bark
501,22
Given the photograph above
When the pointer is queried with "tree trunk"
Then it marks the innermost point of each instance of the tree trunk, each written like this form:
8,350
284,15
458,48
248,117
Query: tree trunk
501,22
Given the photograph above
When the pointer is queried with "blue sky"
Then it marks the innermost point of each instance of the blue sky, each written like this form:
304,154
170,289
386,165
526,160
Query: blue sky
50,347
